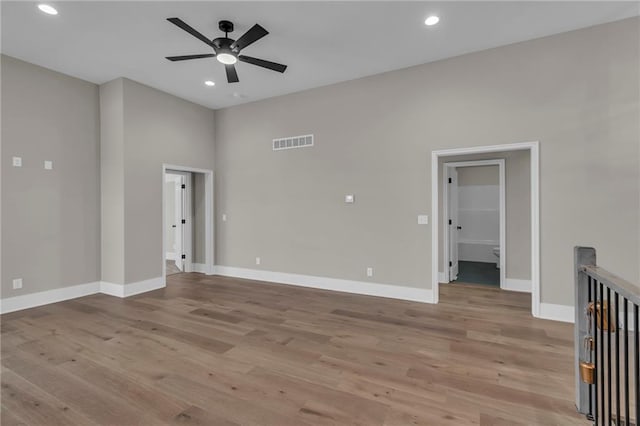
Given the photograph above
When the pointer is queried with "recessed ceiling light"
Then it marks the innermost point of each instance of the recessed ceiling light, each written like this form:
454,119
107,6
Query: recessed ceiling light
49,10
209,83
431,20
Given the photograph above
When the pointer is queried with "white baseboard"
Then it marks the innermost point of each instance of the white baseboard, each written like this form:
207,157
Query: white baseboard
555,312
202,268
126,290
18,303
513,284
334,284
170,255
442,278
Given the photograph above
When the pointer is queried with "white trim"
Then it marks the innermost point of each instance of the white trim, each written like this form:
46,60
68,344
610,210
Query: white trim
442,277
169,256
333,284
535,230
208,214
533,147
202,268
502,208
18,303
131,289
555,312
513,284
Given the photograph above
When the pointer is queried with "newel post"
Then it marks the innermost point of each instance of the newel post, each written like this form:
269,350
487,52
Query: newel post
582,256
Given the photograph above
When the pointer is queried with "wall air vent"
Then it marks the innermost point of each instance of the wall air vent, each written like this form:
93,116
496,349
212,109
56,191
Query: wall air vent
293,142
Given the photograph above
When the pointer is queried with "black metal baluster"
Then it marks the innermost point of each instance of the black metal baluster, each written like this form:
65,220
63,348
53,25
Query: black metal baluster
597,311
615,324
636,334
609,398
587,349
594,328
626,360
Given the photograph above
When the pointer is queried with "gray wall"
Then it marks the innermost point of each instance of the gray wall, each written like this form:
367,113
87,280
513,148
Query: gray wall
157,128
478,175
50,218
112,181
577,93
517,176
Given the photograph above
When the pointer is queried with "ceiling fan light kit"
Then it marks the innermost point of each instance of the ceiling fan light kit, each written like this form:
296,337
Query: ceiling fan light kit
227,50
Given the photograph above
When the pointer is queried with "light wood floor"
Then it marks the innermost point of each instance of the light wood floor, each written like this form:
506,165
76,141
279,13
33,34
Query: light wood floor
222,351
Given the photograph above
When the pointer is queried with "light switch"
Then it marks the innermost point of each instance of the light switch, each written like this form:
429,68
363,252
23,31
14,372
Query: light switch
423,219
349,198
17,161
224,217
48,165
17,283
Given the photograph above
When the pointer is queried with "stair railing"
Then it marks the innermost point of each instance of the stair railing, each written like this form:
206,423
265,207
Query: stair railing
607,343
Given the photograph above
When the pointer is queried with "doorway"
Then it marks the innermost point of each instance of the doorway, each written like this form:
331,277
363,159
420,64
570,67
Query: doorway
532,253
475,226
187,220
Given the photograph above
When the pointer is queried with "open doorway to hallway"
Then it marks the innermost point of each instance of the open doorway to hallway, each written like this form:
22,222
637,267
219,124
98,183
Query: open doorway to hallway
510,241
187,224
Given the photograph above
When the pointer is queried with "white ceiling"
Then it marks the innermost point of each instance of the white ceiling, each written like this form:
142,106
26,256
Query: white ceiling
321,42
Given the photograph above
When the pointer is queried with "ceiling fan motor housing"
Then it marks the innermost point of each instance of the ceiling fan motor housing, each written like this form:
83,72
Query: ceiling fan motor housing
224,44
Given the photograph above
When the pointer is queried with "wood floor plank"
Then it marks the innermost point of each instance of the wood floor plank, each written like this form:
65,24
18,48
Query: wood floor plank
210,350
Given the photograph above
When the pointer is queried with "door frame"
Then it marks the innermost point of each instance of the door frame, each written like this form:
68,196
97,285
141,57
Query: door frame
209,224
534,150
501,211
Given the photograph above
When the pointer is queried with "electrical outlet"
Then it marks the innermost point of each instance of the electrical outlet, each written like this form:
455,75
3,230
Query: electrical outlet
17,283
48,165
224,217
17,161
369,272
423,219
257,260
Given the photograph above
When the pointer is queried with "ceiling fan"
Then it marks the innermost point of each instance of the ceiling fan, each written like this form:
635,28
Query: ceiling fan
227,50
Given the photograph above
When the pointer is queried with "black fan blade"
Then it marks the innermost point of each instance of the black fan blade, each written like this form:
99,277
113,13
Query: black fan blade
180,23
186,57
262,63
232,75
254,34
